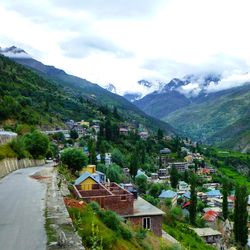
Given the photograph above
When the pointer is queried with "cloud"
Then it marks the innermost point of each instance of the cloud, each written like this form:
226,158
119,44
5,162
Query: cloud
83,46
123,41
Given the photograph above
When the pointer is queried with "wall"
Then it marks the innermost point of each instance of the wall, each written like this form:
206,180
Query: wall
9,165
156,222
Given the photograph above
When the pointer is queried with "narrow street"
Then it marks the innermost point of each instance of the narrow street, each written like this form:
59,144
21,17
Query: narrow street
22,202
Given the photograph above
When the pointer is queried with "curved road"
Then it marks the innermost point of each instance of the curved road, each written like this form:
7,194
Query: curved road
22,203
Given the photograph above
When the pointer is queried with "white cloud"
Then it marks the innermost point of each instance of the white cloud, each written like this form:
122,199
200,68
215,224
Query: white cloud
123,41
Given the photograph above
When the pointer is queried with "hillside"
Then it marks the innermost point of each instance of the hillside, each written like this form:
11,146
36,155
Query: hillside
26,97
221,118
81,88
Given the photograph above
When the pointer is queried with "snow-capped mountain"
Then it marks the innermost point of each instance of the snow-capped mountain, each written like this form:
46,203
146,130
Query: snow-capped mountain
132,97
111,88
14,52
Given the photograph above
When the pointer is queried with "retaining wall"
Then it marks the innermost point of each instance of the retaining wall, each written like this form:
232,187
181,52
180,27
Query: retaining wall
12,164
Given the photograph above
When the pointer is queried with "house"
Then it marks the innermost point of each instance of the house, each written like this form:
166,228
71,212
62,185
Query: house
163,172
147,216
86,181
169,194
211,185
188,158
230,202
187,195
214,194
183,186
209,235
97,175
140,172
210,216
114,197
84,123
216,209
123,131
108,196
164,157
180,166
144,135
107,159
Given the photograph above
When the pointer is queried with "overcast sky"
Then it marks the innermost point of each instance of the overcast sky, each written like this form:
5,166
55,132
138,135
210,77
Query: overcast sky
123,41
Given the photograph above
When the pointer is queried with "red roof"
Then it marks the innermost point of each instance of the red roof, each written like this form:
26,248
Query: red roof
186,204
210,216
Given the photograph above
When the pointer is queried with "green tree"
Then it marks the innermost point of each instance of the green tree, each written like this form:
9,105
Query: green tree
37,144
134,165
117,157
174,177
114,173
74,158
73,134
92,151
18,146
224,201
193,200
155,190
186,176
241,216
159,134
142,183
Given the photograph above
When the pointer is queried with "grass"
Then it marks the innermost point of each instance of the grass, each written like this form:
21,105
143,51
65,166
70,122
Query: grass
6,151
51,233
92,230
186,236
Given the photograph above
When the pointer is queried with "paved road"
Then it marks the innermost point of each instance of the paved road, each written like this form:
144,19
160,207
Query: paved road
22,202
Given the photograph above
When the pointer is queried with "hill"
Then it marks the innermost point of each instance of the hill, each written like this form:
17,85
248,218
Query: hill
27,97
221,118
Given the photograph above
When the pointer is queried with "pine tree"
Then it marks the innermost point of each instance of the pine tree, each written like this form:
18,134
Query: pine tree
241,216
159,134
193,200
225,202
174,177
134,164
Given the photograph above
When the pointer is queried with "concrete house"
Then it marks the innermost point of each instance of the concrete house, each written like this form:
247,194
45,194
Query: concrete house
169,194
183,186
86,181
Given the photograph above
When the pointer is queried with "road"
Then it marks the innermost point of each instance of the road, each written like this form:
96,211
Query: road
22,203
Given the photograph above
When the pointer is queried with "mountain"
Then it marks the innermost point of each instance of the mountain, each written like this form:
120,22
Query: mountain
192,107
111,88
84,90
220,118
132,96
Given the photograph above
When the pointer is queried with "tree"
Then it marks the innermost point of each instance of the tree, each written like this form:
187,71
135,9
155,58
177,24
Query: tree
224,201
74,158
193,200
142,183
73,134
134,165
155,190
117,157
159,134
241,215
174,177
92,151
186,176
37,144
114,173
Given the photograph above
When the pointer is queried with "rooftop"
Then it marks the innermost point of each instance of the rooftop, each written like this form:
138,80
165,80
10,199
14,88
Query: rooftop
167,194
144,208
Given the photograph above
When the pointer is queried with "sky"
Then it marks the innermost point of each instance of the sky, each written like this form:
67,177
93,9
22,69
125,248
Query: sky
123,41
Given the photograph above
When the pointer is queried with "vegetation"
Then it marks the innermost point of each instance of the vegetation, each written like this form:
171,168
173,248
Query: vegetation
241,216
75,159
193,201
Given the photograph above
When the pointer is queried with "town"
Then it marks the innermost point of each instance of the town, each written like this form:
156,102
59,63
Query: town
163,184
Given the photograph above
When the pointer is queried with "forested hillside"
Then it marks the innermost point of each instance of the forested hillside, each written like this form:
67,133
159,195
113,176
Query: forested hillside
26,97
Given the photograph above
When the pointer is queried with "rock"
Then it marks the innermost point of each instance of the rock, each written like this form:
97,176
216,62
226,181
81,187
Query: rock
62,240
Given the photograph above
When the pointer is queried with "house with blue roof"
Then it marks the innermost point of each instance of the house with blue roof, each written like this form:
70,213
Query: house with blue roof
86,181
169,194
214,194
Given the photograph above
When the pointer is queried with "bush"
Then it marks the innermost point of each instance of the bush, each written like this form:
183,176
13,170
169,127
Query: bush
37,144
125,233
18,146
74,158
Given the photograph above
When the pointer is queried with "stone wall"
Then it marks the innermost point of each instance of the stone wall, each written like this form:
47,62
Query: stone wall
12,164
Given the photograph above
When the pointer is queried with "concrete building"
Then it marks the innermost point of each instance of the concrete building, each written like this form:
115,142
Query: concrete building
180,166
169,194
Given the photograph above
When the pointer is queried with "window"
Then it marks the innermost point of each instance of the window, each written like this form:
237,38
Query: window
123,198
146,222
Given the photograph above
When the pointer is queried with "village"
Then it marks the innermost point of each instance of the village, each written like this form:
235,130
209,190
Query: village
143,196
